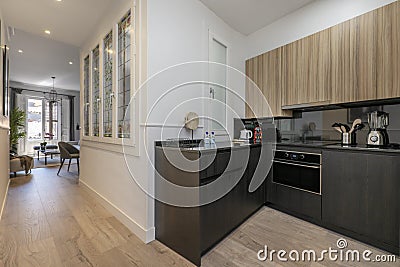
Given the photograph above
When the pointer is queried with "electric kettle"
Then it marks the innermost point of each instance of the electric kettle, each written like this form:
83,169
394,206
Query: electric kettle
246,134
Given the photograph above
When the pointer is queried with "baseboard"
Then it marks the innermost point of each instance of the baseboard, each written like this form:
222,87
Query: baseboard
145,235
4,200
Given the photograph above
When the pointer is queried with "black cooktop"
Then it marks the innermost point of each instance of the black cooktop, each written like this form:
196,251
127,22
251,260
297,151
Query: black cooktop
310,143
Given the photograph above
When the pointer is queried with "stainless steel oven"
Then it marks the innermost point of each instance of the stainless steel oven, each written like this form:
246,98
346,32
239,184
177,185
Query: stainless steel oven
299,170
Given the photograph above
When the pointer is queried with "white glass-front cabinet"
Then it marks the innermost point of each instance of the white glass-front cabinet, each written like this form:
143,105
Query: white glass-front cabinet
86,99
108,92
96,101
108,86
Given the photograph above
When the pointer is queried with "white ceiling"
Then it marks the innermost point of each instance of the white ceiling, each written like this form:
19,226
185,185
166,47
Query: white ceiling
249,16
70,21
41,59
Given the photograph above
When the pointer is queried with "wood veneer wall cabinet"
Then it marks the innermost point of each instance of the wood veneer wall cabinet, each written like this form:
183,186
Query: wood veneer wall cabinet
388,51
273,82
354,55
306,71
357,60
266,72
254,73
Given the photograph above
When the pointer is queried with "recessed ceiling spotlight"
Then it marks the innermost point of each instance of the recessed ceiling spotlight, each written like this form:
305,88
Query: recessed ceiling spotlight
70,63
20,51
58,0
47,32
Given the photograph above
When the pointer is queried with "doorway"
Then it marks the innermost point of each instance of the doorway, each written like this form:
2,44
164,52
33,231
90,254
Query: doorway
218,53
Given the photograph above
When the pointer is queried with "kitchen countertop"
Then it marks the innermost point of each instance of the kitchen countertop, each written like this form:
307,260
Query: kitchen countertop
364,148
308,144
337,146
208,148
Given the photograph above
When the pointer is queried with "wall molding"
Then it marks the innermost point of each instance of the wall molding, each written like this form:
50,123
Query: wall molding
146,235
4,200
160,125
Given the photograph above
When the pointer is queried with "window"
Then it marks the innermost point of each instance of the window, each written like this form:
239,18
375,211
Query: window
34,119
86,96
107,85
96,91
39,119
51,121
124,76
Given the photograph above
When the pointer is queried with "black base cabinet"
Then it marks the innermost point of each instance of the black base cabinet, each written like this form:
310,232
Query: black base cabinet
193,231
302,204
361,196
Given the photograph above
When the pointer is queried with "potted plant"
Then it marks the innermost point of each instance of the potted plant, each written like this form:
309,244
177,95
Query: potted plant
17,127
43,146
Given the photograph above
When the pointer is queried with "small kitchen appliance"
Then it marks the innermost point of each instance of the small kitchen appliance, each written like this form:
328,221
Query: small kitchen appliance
257,136
246,134
378,122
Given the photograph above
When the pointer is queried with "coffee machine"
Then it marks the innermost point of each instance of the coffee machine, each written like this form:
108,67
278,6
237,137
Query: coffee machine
378,122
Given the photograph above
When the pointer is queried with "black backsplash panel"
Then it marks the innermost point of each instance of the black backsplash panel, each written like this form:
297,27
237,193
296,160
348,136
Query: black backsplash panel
316,125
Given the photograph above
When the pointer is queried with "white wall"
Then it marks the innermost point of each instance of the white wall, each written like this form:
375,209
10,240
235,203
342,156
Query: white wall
178,32
312,18
103,167
4,141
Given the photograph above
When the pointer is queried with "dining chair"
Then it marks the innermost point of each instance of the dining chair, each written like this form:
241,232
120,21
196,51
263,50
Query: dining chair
68,151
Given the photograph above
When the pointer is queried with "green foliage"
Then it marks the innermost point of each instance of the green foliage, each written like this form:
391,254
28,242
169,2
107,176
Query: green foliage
17,126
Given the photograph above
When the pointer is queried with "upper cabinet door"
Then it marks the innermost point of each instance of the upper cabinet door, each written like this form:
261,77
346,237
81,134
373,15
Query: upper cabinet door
341,76
306,71
265,71
388,57
254,71
354,55
272,82
363,36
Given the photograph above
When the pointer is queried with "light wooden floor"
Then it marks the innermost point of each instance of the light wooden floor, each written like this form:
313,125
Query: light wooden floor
52,221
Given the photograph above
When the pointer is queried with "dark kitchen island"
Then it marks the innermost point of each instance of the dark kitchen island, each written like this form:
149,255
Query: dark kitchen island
217,196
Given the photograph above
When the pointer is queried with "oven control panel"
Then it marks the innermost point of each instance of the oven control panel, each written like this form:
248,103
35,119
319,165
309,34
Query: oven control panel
298,157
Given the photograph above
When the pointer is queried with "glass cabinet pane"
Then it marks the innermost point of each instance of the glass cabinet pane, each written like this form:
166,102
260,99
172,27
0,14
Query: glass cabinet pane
124,76
107,85
86,66
96,91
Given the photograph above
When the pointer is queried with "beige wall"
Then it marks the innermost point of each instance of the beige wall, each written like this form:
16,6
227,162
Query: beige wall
4,144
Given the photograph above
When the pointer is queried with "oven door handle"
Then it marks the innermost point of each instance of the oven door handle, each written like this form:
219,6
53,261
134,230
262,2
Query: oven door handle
296,164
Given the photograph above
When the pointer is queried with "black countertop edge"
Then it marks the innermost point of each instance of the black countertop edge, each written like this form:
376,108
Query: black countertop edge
324,145
210,148
338,146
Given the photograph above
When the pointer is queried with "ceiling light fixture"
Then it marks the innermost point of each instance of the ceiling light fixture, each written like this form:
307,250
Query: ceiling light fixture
20,51
53,96
47,32
70,63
